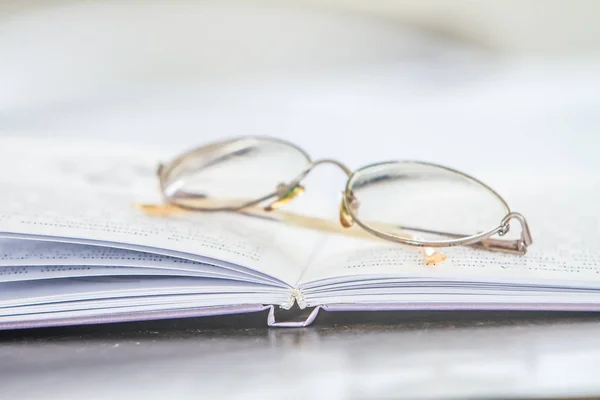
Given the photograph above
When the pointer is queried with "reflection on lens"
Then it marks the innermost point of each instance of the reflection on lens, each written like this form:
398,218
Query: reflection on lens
233,173
424,200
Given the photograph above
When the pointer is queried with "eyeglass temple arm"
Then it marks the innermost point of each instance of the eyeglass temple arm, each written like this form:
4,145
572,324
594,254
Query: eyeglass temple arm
319,224
323,225
518,246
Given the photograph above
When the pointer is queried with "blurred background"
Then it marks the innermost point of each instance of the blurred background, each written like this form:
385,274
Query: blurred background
499,88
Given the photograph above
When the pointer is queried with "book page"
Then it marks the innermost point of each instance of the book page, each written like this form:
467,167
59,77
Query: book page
95,288
74,195
82,163
564,219
109,218
18,257
43,272
134,304
172,304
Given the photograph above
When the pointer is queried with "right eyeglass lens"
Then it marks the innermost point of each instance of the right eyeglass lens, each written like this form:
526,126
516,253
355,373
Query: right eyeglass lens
425,200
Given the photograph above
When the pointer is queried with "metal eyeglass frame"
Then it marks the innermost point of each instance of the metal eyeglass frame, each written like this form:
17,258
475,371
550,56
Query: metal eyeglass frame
348,207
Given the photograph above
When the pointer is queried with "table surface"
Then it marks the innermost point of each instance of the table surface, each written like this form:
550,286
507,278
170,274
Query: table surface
343,355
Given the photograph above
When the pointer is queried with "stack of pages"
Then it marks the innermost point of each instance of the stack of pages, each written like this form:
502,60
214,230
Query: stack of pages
75,250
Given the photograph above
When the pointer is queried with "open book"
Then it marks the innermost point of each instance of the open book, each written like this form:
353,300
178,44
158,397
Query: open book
75,250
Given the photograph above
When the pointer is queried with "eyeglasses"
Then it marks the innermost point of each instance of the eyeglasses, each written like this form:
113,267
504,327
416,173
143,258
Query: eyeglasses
408,202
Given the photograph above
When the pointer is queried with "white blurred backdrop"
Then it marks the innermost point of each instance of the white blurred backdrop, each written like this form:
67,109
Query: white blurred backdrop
502,88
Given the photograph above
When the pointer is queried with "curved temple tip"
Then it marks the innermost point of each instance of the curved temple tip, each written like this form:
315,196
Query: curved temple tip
518,246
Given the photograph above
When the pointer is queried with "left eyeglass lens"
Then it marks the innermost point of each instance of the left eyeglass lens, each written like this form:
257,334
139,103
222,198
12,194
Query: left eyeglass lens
232,173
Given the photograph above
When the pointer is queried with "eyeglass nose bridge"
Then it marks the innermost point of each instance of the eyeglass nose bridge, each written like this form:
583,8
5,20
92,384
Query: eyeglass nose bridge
287,192
348,204
323,161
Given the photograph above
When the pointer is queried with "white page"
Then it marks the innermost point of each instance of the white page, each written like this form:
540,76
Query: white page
408,284
87,164
226,266
149,303
23,254
84,192
102,310
564,218
470,299
39,272
94,288
270,248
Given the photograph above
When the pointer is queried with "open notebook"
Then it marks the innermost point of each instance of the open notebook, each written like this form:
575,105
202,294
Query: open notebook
74,250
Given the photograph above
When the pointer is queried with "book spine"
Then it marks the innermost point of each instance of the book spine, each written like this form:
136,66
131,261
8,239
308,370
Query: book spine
296,297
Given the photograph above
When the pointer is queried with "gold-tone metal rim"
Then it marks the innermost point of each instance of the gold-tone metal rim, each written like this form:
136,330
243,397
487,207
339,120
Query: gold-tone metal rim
464,240
164,170
286,191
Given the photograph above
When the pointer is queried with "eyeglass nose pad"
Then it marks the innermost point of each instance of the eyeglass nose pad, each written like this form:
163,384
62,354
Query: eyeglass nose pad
345,215
285,194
